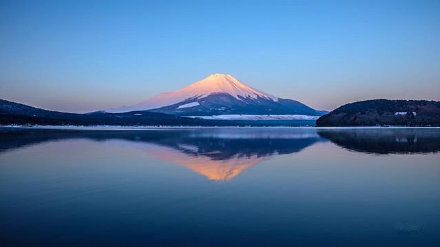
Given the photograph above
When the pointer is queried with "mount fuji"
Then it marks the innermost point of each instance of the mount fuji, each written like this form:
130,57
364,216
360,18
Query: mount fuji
221,96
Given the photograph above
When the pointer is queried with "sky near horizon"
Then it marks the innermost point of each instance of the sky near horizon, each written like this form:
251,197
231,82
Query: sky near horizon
82,56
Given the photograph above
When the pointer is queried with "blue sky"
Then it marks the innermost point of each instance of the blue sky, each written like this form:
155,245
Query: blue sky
88,55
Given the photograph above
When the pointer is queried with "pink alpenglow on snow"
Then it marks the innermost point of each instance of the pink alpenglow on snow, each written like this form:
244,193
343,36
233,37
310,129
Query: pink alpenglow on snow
215,83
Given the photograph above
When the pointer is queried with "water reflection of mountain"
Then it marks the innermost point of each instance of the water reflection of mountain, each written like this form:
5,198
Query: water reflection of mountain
385,140
218,154
223,154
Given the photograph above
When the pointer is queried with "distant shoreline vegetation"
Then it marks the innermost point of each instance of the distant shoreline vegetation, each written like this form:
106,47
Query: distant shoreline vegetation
12,113
381,112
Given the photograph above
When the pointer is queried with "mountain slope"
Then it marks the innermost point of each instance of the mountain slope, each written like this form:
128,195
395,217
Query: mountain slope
384,112
223,103
15,113
220,94
12,113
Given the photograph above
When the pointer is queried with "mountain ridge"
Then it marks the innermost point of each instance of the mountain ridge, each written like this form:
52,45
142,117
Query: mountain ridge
220,94
12,113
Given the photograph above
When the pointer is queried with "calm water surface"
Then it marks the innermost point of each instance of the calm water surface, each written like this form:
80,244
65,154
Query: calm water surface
220,187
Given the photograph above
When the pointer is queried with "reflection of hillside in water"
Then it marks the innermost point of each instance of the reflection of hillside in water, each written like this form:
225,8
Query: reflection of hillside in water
385,140
218,154
223,153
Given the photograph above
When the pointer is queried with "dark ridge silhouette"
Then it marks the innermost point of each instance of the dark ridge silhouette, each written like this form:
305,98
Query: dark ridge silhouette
384,112
19,114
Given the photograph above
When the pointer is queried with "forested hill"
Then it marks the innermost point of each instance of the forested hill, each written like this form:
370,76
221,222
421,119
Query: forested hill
384,112
16,113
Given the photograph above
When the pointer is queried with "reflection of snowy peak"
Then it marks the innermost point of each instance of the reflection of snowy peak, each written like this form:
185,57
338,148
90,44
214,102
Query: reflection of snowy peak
219,94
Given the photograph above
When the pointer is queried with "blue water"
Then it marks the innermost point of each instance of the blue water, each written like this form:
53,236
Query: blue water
220,187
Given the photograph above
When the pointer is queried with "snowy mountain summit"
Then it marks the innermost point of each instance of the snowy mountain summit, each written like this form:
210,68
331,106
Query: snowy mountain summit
224,83
220,94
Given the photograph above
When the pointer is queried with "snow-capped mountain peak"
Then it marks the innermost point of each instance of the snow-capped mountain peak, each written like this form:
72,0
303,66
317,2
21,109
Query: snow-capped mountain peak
224,83
215,83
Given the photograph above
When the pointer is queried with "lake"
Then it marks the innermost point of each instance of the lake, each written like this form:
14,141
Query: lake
220,187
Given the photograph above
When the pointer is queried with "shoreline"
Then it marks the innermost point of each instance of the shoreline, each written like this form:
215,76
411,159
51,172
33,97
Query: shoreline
113,127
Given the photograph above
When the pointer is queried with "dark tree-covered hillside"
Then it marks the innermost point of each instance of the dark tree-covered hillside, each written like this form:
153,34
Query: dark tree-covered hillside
384,112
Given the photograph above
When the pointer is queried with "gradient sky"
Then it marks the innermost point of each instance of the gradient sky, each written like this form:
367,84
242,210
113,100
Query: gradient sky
88,55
